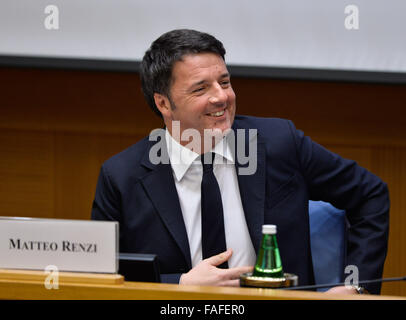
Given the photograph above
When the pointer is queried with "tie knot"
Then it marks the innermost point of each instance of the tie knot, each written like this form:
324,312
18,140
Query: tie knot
207,160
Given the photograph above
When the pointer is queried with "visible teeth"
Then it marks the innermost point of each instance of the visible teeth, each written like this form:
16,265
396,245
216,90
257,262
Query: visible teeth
217,114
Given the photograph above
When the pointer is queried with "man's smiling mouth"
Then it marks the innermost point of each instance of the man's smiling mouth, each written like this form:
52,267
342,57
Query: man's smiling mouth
217,114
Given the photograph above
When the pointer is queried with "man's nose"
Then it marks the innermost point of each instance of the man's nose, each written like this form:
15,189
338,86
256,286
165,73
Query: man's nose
218,95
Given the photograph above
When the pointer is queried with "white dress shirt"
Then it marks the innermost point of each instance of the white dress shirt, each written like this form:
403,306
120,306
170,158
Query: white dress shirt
187,172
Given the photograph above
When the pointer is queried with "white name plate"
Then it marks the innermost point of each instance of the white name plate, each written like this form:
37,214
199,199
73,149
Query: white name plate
70,245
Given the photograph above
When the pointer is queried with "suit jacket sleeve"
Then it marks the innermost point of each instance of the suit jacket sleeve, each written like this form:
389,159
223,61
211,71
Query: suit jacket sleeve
363,195
107,206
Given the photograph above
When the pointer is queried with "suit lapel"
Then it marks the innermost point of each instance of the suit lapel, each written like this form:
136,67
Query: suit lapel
252,190
160,186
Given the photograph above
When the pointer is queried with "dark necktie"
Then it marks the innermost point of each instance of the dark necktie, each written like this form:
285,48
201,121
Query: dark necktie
213,235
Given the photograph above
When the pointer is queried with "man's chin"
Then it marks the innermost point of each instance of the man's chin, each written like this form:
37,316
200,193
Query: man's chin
223,126
221,130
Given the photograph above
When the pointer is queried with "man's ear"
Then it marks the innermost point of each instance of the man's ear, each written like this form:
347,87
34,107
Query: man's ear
163,104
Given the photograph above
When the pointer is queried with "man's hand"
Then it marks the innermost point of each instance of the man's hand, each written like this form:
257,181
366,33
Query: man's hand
206,272
342,290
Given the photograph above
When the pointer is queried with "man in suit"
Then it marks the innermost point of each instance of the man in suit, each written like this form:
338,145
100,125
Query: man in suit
159,205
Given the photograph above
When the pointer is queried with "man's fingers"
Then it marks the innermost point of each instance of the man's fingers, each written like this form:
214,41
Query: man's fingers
207,273
220,258
342,290
235,273
233,276
227,277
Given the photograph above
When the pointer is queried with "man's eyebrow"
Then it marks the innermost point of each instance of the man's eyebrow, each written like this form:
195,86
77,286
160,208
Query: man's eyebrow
198,83
225,75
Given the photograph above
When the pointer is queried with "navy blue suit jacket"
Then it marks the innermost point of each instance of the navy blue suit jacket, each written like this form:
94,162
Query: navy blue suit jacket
291,170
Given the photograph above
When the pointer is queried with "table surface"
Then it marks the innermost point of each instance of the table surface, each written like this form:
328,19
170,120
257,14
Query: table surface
35,289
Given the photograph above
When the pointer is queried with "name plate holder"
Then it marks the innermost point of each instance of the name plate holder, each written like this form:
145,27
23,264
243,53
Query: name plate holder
76,251
63,277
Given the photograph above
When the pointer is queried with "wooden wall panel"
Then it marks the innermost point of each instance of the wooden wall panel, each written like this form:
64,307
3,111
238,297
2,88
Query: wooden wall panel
58,126
363,155
75,173
74,101
26,174
78,161
331,113
390,165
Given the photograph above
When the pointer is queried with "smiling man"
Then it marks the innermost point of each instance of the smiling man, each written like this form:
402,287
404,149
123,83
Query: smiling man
201,95
204,220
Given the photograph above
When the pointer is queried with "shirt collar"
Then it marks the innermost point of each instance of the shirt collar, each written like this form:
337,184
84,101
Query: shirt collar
181,158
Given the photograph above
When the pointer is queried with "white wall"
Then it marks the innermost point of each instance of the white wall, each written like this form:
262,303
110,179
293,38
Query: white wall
284,33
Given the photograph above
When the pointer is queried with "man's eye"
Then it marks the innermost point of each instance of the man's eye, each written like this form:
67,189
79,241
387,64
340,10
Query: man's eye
199,89
225,83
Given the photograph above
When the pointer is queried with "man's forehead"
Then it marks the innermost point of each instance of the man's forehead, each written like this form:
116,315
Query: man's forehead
193,66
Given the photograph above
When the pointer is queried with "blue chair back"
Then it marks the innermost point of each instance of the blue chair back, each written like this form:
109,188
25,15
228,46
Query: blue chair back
328,242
